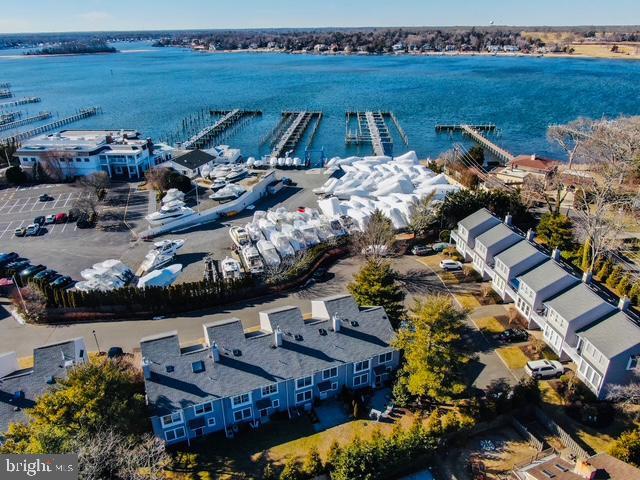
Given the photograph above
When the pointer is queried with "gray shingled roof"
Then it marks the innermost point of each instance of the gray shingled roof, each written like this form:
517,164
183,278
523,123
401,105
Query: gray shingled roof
577,301
613,335
543,275
478,218
48,362
249,362
193,159
498,234
520,252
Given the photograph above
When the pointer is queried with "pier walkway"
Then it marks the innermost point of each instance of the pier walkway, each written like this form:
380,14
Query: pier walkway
22,101
205,137
81,114
475,133
289,139
9,117
5,93
25,121
373,129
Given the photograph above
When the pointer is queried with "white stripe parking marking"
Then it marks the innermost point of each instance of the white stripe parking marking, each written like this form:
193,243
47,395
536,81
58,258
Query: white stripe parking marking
6,229
14,205
68,199
64,225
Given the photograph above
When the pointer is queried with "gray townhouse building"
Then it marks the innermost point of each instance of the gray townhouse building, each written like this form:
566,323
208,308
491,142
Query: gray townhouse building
237,378
20,388
579,321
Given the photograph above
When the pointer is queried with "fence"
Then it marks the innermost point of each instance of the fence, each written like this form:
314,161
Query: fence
530,437
566,439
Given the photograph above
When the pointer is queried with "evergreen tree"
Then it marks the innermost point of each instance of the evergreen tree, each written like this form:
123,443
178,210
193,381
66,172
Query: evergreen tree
634,293
313,463
333,454
434,352
291,470
624,286
605,270
375,285
615,277
269,472
586,257
556,231
627,447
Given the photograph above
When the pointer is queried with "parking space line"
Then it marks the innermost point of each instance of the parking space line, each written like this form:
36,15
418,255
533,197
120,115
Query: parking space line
13,206
55,204
68,199
50,230
6,229
64,225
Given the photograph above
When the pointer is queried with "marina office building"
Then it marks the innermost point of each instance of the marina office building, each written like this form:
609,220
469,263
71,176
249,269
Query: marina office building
72,153
580,321
237,378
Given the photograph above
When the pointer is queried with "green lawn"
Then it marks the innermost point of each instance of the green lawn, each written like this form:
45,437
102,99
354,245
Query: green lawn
513,357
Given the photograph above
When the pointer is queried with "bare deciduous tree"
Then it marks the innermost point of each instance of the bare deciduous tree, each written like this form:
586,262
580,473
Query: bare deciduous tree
157,178
95,183
87,204
52,167
570,137
625,394
552,192
378,238
31,303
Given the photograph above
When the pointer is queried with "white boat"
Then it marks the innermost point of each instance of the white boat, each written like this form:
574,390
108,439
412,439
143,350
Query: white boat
288,162
295,237
261,163
278,215
173,204
269,253
298,163
217,184
280,162
101,284
273,162
155,259
220,172
109,269
172,194
266,226
237,173
239,235
255,234
282,244
230,192
337,228
168,246
251,162
252,259
161,278
231,268
169,214
310,235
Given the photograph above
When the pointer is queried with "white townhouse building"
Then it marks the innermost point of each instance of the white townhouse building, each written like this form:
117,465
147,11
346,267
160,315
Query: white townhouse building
73,153
580,321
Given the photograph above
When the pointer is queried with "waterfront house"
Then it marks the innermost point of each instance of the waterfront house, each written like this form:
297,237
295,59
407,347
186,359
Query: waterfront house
192,162
237,379
540,284
514,261
471,227
598,467
491,243
609,351
21,387
74,153
569,312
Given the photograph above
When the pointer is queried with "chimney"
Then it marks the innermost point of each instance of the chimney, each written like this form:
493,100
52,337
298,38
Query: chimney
585,470
508,219
556,254
215,353
277,337
335,322
533,156
623,304
531,235
586,277
146,368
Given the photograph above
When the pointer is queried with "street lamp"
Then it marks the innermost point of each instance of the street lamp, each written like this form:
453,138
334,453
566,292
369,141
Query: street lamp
96,339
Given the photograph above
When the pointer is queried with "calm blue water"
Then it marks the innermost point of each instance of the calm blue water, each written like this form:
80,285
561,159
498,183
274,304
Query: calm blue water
154,89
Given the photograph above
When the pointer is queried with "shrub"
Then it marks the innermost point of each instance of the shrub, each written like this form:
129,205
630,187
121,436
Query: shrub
15,175
292,470
605,270
313,463
624,287
615,277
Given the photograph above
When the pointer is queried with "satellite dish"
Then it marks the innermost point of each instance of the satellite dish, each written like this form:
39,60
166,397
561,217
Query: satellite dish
491,22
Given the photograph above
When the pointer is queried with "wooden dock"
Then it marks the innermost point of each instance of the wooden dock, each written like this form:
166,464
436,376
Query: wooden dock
475,133
371,128
22,101
5,93
80,115
296,124
25,121
9,117
210,134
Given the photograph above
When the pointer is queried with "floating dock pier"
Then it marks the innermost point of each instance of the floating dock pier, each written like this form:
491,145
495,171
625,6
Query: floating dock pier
5,93
372,128
81,114
475,133
25,121
210,134
5,86
22,101
296,124
9,117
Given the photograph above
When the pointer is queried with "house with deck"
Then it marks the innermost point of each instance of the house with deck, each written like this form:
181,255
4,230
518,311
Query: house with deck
491,243
21,387
471,227
513,262
236,380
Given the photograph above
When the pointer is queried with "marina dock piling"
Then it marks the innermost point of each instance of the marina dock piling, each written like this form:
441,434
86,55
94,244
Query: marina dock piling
295,128
22,101
209,135
25,121
81,114
372,128
475,133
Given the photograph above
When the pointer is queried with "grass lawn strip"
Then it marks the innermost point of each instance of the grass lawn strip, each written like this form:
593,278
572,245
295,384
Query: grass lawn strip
489,325
513,357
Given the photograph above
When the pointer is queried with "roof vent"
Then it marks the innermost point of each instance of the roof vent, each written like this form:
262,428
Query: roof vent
197,367
323,332
354,323
298,337
169,368
237,352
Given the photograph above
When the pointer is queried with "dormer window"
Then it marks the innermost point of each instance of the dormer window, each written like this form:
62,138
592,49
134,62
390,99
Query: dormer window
632,364
197,367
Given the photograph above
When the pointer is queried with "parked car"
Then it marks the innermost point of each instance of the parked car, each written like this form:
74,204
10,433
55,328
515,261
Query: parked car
61,218
39,220
439,247
61,282
50,219
422,250
544,369
6,258
513,335
286,181
115,352
20,231
45,197
31,271
450,265
17,266
47,274
32,230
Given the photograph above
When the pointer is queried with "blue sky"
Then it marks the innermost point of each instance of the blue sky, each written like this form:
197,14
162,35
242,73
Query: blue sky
74,15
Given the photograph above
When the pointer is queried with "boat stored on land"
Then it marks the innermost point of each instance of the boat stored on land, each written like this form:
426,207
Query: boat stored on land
252,259
231,269
240,236
269,253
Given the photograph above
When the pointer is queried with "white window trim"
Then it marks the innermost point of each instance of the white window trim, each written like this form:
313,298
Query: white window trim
203,405
241,412
177,422
633,359
272,393
366,381
238,405
211,422
389,354
304,392
175,430
366,369
275,403
328,370
305,386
